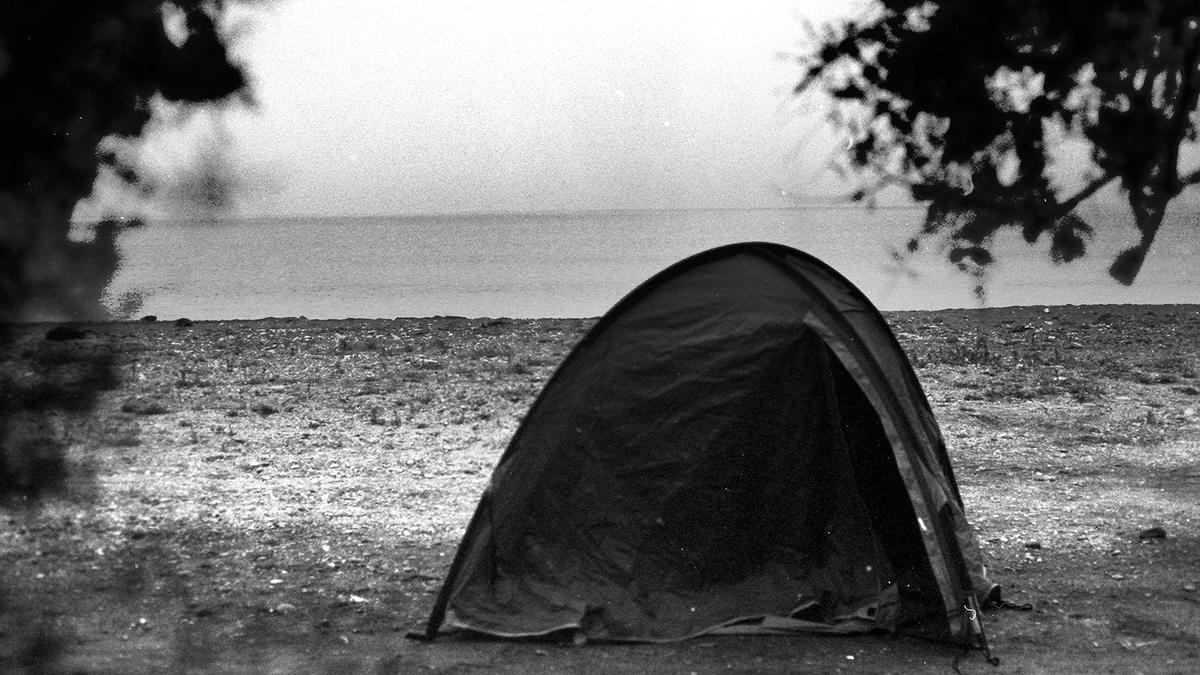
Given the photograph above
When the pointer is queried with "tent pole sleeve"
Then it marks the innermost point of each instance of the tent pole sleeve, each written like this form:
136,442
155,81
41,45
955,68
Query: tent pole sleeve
966,586
438,613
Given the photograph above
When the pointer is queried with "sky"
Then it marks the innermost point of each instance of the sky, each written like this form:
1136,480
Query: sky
378,107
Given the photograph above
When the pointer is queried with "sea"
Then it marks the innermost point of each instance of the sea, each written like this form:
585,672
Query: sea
579,264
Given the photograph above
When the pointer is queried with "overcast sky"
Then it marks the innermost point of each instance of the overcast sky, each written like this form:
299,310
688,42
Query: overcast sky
383,107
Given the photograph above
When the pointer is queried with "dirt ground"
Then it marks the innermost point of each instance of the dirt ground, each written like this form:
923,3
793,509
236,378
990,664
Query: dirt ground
285,495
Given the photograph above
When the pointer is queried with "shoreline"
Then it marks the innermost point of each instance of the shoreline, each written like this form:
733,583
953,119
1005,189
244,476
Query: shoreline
968,311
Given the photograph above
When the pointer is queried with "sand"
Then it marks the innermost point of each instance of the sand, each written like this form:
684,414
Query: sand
285,495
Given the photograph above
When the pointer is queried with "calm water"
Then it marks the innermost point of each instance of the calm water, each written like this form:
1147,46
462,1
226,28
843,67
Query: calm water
575,265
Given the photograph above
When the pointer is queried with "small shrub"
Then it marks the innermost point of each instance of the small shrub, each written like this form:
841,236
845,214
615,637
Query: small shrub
516,394
1143,377
1085,391
189,378
118,435
376,416
955,352
491,350
977,352
63,333
347,345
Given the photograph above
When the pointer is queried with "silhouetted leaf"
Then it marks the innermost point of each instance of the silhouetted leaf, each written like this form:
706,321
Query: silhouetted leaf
1127,265
1069,241
976,255
849,91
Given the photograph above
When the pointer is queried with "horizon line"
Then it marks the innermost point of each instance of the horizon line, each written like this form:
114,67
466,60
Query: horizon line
442,215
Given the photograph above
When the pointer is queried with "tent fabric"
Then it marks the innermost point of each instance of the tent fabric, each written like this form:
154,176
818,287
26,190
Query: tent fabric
738,445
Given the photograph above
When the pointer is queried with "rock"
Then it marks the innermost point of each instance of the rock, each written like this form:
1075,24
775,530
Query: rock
1033,544
143,405
149,318
183,322
284,608
1190,588
1153,533
64,333
263,408
1118,576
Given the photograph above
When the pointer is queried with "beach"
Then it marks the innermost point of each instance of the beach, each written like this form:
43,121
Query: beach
285,495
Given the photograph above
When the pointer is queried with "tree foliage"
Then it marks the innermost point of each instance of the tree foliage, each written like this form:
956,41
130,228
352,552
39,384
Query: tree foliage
71,76
963,104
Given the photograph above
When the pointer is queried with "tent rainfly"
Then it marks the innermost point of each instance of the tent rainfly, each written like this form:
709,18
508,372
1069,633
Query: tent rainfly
739,445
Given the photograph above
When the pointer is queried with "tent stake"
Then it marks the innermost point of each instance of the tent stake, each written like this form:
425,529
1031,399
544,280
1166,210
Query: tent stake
972,607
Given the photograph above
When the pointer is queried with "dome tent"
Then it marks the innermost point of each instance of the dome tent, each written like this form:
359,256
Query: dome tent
740,445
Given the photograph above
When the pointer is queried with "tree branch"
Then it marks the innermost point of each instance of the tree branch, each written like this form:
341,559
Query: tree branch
1059,210
1069,205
